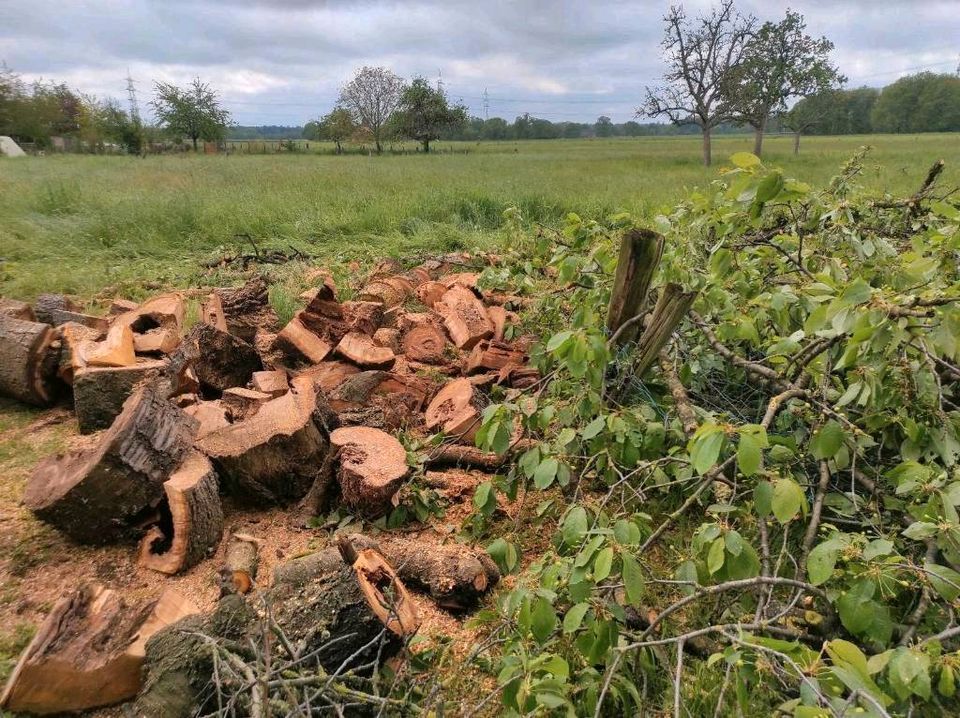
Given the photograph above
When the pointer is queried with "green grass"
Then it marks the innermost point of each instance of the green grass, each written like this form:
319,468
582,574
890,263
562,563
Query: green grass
84,224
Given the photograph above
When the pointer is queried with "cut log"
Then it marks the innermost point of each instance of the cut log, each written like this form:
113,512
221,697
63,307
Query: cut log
379,399
471,456
239,571
73,338
453,411
364,317
387,338
243,403
26,374
247,309
464,279
211,416
121,306
88,652
191,519
273,457
454,575
329,375
360,349
273,382
301,343
162,311
56,309
373,466
15,309
518,377
100,392
425,343
218,360
429,293
95,496
211,312
464,316
162,340
388,291
114,351
493,356
498,315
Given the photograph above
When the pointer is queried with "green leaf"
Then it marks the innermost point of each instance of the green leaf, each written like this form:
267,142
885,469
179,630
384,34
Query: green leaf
602,564
593,428
821,562
744,160
557,340
482,495
543,619
716,555
574,525
574,617
788,499
920,530
944,580
632,579
733,542
827,441
769,187
749,454
545,473
705,447
504,554
763,498
626,532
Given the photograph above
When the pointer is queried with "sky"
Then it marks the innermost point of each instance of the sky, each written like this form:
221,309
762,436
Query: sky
281,62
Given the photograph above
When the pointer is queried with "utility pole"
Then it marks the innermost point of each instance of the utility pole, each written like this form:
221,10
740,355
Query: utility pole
440,81
132,98
486,104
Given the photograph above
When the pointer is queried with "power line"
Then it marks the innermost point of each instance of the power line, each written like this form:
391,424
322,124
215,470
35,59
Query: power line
132,99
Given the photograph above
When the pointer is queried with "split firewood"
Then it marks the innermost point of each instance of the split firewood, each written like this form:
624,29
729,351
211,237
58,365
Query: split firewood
243,403
387,338
454,575
519,377
114,351
493,356
211,416
273,382
247,309
73,339
211,312
388,291
498,315
15,309
162,311
464,279
373,466
301,343
89,651
162,340
464,316
239,571
429,293
121,306
218,360
376,398
425,343
364,317
56,309
96,495
191,519
100,392
360,349
273,456
27,365
329,375
453,411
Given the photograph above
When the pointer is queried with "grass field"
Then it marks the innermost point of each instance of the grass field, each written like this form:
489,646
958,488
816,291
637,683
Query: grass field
82,224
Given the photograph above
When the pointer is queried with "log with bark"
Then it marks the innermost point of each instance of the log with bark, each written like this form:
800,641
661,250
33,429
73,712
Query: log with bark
363,317
273,382
464,316
273,456
429,293
384,400
27,368
360,349
471,456
454,411
16,309
240,563
217,359
73,339
56,309
89,651
100,494
388,291
100,392
373,467
425,342
247,309
493,356
387,337
191,519
162,311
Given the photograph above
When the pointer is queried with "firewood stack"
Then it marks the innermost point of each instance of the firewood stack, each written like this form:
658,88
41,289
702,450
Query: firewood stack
308,413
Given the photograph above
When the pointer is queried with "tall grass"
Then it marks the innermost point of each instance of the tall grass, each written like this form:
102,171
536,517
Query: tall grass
84,224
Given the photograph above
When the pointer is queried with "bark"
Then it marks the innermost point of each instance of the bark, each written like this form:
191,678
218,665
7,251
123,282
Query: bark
671,308
453,411
493,356
100,494
388,291
273,456
56,309
707,158
88,652
470,456
247,309
217,359
25,372
465,317
192,519
796,143
211,312
640,252
99,393
373,467
240,563
316,500
758,140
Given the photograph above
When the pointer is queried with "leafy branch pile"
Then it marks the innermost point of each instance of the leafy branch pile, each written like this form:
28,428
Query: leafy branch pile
766,520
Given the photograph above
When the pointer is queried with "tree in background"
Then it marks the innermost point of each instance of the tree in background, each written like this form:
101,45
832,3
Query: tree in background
337,127
781,62
194,112
424,113
372,97
926,102
806,115
603,127
700,58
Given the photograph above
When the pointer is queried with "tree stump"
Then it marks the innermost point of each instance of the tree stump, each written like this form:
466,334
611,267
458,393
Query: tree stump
373,467
191,519
640,252
99,392
273,456
247,309
96,496
464,316
360,349
89,651
25,373
453,411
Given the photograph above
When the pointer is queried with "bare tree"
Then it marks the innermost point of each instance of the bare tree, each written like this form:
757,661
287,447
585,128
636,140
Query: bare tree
700,56
372,97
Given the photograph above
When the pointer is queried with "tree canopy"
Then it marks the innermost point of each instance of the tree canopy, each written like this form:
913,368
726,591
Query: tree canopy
424,113
193,112
372,96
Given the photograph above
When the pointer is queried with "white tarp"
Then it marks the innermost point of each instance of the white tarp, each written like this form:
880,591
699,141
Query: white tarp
10,148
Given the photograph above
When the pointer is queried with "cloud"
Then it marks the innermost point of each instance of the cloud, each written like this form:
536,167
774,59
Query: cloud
282,61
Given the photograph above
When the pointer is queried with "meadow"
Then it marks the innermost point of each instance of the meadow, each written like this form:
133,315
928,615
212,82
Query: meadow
85,224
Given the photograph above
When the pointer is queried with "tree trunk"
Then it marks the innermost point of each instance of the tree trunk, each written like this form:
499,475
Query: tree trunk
758,139
339,148
706,147
640,252
23,360
796,143
195,144
426,146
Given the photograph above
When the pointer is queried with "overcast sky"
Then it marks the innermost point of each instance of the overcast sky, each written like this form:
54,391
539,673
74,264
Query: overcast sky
282,61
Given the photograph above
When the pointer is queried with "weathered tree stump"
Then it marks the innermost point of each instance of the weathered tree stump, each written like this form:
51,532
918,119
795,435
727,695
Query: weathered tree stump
95,496
373,467
25,372
88,652
99,392
464,316
191,519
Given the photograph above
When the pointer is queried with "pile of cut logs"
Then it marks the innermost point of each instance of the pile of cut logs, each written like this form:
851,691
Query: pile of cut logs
305,415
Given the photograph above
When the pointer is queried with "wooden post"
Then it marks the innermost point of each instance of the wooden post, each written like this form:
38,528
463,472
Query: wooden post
671,308
640,252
